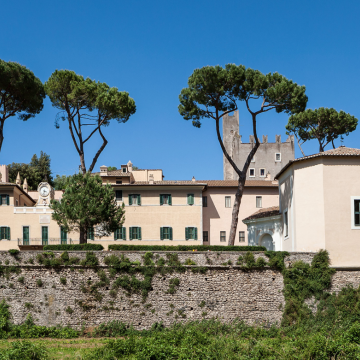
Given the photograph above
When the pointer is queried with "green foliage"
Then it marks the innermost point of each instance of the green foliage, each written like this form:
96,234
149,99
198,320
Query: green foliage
86,203
323,124
61,182
75,247
69,310
202,304
35,172
173,283
21,279
90,261
8,270
260,262
25,350
39,283
111,168
14,252
84,100
22,93
185,248
189,262
276,259
63,280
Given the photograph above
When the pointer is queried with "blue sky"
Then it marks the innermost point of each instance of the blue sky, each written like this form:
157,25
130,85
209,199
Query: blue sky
150,48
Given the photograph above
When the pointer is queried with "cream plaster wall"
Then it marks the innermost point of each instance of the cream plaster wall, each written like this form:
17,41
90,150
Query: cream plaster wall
341,182
286,204
217,217
143,175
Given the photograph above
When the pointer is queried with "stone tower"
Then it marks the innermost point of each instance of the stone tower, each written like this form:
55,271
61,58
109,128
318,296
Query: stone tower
269,159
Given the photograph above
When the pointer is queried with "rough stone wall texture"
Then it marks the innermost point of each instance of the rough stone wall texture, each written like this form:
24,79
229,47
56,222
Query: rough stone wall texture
223,292
264,157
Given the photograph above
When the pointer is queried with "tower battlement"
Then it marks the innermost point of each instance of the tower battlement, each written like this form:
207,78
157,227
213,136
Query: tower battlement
269,159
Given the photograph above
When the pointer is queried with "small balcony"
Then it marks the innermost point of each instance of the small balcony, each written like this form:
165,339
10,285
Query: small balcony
38,244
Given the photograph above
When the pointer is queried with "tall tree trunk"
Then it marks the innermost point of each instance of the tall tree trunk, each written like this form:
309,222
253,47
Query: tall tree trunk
236,208
82,161
1,133
83,237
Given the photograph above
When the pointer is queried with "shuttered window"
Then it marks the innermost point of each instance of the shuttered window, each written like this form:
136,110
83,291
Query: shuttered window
26,235
165,199
134,199
63,235
357,212
190,199
5,233
227,201
205,236
4,199
90,233
120,234
135,233
118,194
166,233
45,235
191,233
222,236
259,201
241,236
204,199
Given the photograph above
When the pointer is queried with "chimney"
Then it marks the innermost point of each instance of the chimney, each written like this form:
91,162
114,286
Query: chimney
103,170
129,166
151,179
265,139
18,180
193,179
268,176
25,186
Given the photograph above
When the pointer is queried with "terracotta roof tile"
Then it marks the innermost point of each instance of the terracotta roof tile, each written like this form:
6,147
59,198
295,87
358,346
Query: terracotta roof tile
13,184
234,183
263,213
340,151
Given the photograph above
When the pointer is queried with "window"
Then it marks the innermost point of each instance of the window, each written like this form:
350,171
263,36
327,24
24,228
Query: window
190,199
165,199
286,224
259,201
124,169
357,212
63,236
241,236
26,235
262,172
222,236
45,235
90,233
4,199
251,172
134,199
205,236
191,233
278,157
227,201
135,233
119,182
4,233
120,234
204,201
166,233
118,194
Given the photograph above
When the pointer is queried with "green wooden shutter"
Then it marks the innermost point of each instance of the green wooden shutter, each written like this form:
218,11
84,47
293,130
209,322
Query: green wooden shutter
8,233
161,233
130,199
139,199
139,233
25,235
195,233
130,233
170,233
161,199
190,199
7,200
186,233
123,233
169,199
44,235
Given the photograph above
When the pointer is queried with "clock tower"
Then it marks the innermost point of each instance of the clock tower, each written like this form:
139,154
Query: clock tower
46,193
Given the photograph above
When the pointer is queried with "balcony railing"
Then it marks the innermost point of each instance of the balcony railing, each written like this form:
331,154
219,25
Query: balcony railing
42,242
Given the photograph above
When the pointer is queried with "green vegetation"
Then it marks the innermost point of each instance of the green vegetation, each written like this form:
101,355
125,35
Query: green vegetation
75,247
185,248
39,283
63,280
14,252
173,283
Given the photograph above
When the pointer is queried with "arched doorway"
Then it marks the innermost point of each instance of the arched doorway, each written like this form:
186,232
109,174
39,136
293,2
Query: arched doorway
267,241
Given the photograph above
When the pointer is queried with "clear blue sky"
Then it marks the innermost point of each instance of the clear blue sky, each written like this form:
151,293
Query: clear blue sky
150,48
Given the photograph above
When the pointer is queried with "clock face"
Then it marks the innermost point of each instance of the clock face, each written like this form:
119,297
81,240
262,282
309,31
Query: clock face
44,191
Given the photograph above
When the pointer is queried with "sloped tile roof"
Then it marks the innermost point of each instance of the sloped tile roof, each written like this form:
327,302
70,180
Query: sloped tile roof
15,185
340,151
234,183
263,213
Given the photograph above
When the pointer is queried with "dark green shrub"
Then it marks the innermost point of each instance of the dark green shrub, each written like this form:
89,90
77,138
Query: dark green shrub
14,252
69,310
260,262
75,247
184,248
90,261
21,279
63,280
39,283
24,350
189,262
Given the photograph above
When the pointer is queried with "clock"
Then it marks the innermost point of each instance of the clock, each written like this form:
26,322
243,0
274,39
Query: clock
44,191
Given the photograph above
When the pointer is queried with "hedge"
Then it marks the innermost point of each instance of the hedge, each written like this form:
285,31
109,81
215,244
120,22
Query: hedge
75,247
185,248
